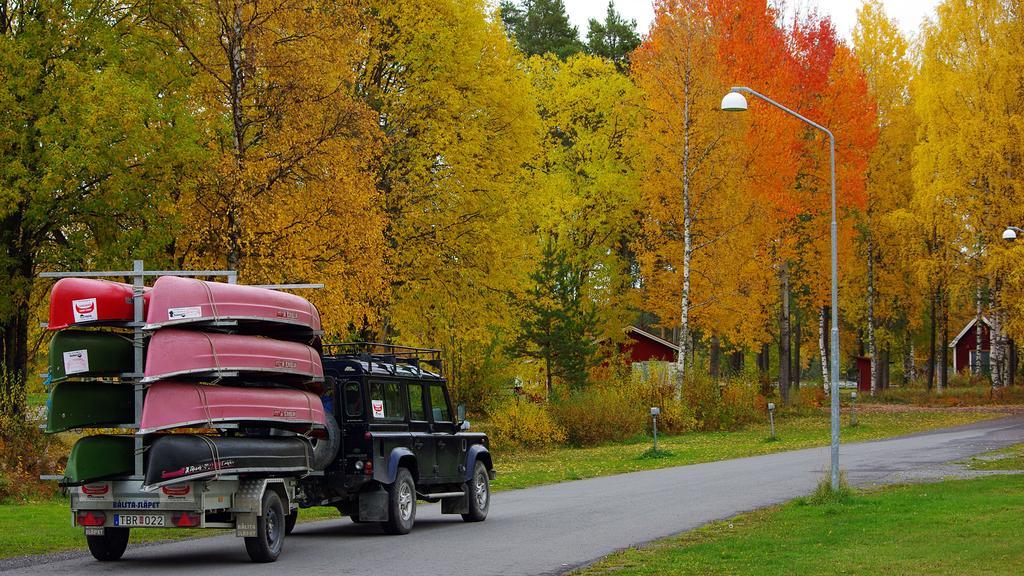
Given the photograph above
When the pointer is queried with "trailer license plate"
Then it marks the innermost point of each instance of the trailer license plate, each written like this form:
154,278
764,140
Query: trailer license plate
139,520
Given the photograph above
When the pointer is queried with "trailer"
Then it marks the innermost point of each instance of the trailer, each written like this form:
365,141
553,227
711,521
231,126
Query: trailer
382,437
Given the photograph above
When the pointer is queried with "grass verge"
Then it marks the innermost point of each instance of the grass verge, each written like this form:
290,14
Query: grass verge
42,527
961,527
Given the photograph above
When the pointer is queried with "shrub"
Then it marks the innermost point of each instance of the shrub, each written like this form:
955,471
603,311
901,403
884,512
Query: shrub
600,414
523,424
26,453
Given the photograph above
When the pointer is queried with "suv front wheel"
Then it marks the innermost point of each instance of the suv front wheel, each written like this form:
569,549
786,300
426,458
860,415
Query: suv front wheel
401,504
479,494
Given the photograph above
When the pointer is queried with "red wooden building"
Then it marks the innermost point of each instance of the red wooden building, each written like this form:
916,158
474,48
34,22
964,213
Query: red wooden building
965,346
642,346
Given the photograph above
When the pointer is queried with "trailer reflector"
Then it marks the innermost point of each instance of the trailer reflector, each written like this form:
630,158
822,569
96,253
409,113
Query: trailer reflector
91,518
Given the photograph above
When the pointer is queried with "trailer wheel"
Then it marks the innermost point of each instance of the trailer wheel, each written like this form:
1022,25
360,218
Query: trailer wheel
110,546
290,520
401,504
270,530
479,494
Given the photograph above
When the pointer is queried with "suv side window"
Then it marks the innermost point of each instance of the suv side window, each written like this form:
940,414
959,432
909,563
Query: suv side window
439,404
417,409
353,399
387,401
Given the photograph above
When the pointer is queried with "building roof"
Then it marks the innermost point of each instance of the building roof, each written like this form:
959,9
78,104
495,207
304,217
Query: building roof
647,335
968,329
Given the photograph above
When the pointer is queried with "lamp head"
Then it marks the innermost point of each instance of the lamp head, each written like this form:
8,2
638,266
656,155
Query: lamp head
734,102
1009,234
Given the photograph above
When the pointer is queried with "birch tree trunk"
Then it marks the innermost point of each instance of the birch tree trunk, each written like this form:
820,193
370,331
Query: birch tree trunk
684,316
784,356
872,347
931,337
822,329
944,349
978,332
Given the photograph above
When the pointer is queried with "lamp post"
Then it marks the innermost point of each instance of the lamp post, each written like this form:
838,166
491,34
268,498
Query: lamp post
734,101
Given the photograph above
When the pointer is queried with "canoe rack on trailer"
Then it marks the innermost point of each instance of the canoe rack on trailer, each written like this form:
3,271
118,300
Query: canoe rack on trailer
107,509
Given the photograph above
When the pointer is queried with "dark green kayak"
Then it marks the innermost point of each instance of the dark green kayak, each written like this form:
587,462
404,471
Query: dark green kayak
89,405
81,353
99,457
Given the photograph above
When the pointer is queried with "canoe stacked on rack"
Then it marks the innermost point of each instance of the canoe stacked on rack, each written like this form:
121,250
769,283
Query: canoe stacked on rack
236,358
218,356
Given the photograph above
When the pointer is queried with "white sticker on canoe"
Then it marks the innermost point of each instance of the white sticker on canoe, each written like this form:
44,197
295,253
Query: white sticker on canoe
84,310
76,362
182,313
378,408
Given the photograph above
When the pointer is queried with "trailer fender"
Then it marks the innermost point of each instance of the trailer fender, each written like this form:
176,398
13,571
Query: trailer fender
477,452
248,501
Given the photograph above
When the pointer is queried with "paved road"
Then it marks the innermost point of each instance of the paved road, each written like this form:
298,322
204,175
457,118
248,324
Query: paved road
549,529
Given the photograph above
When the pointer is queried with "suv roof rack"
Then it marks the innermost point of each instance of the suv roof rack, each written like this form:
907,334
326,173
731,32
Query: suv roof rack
376,352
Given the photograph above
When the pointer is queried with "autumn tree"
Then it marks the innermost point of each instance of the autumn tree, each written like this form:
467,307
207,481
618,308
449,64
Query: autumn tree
614,38
540,27
891,309
583,181
95,139
967,159
458,122
286,197
689,181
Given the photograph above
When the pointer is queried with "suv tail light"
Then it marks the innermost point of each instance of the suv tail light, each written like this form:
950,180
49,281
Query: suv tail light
368,469
91,518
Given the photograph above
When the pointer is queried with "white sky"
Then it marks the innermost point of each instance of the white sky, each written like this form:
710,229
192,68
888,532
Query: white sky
908,13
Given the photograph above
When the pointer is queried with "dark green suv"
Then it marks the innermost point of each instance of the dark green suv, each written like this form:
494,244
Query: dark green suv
395,440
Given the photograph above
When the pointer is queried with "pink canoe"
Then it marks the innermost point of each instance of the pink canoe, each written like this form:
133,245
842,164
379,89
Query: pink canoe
179,300
187,405
78,301
185,353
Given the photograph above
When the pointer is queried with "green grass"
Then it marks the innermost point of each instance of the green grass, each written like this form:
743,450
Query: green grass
961,527
37,528
1011,458
524,469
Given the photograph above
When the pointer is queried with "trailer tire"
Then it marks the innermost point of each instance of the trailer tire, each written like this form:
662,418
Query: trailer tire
325,449
270,530
401,504
110,546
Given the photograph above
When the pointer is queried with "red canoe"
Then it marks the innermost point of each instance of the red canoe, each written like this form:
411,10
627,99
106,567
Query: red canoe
179,300
185,353
184,405
78,301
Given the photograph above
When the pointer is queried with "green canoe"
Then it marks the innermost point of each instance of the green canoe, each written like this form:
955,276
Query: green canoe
89,404
98,457
81,353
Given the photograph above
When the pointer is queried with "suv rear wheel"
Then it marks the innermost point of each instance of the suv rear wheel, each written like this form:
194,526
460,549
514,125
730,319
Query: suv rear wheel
401,504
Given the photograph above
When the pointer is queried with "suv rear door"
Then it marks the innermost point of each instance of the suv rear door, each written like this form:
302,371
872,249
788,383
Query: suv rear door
446,443
419,427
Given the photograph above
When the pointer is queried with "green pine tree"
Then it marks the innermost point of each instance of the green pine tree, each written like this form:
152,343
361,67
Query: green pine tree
559,323
540,27
614,39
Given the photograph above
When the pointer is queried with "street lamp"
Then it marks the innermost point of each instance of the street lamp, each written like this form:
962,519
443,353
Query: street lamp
734,101
1010,234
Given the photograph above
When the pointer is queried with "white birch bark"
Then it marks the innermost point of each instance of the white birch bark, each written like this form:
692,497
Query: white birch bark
684,315
821,349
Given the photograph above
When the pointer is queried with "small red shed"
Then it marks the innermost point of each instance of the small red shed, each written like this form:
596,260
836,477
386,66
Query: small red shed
642,346
965,346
